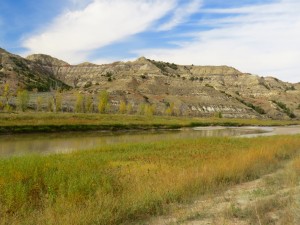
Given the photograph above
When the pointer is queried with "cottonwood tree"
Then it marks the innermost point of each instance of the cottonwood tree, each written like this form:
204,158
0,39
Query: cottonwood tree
58,96
22,100
149,110
103,105
39,102
89,99
79,104
141,109
50,104
129,108
122,107
169,110
6,94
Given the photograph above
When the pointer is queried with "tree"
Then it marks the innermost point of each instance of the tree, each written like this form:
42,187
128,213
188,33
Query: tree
79,108
39,102
103,102
141,109
129,108
218,115
58,96
50,104
122,107
22,100
89,103
6,94
149,110
170,110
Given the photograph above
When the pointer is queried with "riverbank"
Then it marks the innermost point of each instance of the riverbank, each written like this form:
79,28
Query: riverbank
62,122
130,182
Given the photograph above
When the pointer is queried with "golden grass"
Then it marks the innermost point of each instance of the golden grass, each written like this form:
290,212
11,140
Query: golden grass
38,122
129,182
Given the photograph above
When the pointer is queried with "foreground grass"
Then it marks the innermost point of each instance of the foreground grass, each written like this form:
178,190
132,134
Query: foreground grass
128,182
54,122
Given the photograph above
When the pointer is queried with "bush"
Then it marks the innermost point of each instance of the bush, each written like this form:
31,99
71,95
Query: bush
285,109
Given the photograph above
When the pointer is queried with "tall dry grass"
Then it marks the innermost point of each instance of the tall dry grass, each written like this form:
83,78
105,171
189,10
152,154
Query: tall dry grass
128,182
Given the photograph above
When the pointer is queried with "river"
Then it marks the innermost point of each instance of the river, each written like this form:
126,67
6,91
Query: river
22,144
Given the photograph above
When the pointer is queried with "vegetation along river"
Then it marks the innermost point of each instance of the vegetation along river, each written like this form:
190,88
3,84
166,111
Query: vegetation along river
16,145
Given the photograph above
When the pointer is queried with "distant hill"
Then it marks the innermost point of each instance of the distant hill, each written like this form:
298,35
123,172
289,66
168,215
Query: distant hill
193,90
25,73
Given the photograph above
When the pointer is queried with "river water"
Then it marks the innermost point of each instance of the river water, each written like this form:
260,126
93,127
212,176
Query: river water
15,145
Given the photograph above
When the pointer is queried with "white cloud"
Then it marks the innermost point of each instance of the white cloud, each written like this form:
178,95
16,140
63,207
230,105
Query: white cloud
262,39
74,33
181,14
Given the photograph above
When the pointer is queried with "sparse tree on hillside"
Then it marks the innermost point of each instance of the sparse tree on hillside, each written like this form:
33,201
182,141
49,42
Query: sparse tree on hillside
22,100
103,105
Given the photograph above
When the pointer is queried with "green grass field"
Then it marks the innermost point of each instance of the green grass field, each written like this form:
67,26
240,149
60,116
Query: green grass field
130,182
55,122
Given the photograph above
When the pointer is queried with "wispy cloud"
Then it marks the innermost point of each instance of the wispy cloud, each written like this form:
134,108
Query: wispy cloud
262,39
181,14
75,33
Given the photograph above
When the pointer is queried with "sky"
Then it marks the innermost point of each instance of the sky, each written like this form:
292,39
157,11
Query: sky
261,37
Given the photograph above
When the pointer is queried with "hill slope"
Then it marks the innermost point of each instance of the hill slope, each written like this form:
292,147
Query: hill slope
194,90
23,73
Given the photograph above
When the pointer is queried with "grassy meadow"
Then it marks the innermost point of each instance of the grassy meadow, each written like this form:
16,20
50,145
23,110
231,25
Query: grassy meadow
56,122
125,183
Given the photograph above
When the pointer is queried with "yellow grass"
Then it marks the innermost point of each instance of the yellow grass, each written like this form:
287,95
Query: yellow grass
129,182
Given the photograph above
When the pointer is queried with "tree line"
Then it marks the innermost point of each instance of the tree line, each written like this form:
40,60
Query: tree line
59,101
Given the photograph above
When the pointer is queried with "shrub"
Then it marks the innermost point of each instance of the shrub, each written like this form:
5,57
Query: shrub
285,109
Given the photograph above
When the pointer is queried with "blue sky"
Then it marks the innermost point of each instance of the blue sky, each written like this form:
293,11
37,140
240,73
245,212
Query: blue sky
257,36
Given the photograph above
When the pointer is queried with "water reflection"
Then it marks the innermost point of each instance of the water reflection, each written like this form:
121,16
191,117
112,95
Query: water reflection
66,142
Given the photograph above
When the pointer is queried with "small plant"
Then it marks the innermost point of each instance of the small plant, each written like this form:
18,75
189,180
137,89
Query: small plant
290,88
88,84
208,85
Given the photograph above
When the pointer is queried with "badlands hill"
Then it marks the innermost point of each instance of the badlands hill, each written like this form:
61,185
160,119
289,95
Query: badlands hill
194,90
